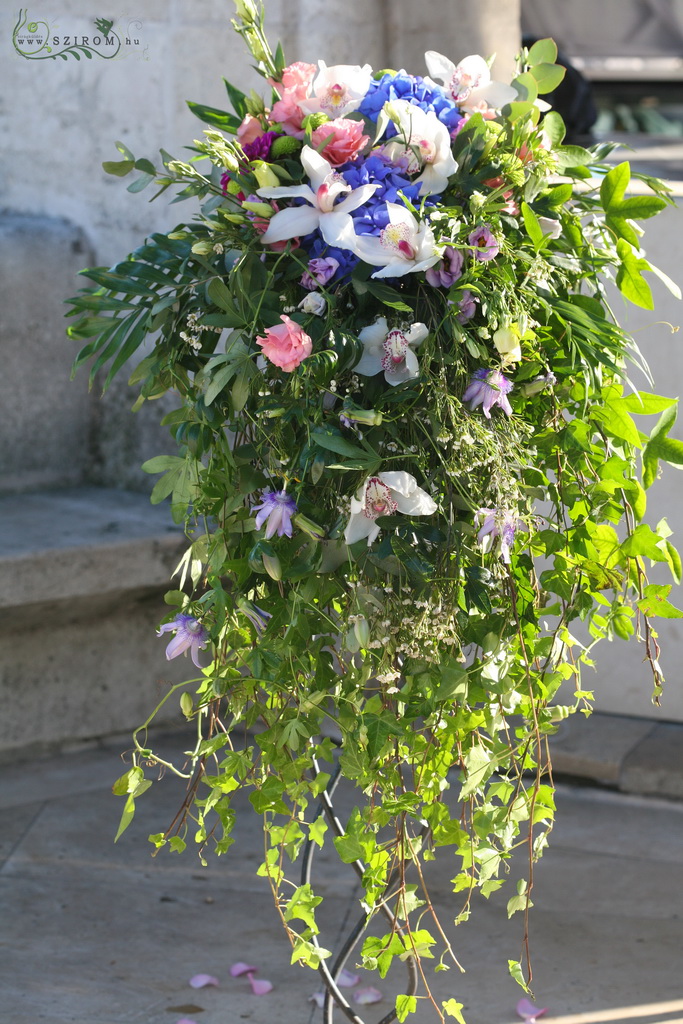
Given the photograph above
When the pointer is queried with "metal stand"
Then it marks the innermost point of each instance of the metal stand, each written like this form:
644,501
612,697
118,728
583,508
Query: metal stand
333,995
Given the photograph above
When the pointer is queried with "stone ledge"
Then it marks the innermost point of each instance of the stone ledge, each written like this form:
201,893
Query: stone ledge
634,755
82,543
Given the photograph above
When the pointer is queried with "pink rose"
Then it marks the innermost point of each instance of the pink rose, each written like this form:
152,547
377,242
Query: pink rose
286,345
345,140
294,87
249,130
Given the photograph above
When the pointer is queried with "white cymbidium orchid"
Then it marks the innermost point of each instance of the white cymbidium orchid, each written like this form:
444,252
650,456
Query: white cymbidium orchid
402,247
324,212
382,495
391,351
469,82
337,90
424,142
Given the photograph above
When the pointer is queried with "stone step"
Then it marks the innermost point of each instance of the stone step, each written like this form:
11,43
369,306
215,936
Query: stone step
82,577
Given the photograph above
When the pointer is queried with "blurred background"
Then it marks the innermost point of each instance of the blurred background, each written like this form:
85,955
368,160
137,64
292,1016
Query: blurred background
84,558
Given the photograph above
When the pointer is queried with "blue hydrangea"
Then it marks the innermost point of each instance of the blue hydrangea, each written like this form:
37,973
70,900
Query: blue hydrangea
316,247
372,217
401,86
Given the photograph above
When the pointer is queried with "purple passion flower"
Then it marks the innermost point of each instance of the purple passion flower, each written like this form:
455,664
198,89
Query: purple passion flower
189,633
497,525
259,149
276,511
488,388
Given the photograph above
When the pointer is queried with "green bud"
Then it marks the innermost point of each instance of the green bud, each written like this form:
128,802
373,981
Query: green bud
284,146
272,565
368,417
262,209
308,526
313,121
361,628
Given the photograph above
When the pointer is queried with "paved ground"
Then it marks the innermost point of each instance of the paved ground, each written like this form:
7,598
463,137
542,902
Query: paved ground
97,933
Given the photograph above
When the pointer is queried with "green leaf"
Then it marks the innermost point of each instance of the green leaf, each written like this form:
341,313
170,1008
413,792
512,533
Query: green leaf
454,1009
140,183
548,76
533,228
404,1006
221,296
614,185
554,127
630,280
337,443
118,167
617,421
348,849
543,51
573,156
646,404
516,973
674,560
643,541
240,389
160,463
654,602
388,296
216,118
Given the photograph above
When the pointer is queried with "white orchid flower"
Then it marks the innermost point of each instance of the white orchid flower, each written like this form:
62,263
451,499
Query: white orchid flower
382,495
338,90
391,351
402,247
424,141
469,82
324,212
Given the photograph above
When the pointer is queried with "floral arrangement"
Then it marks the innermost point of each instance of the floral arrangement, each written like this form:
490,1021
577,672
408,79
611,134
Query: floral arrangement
408,463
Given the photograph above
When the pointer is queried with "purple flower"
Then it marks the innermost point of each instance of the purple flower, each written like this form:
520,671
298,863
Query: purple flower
486,245
259,149
320,271
256,615
446,273
488,388
276,510
189,632
499,525
467,307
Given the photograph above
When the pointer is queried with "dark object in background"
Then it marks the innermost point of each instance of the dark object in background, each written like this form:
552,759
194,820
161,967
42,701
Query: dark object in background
573,100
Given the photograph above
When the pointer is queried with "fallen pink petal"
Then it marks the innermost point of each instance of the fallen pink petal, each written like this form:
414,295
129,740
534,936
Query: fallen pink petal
366,996
528,1012
241,968
186,1020
202,980
259,986
346,979
318,998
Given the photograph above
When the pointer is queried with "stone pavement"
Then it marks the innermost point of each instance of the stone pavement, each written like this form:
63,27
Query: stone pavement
97,933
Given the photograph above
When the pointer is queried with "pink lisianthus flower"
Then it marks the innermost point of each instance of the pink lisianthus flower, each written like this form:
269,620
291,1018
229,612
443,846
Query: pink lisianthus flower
485,243
286,345
447,272
320,270
294,86
345,140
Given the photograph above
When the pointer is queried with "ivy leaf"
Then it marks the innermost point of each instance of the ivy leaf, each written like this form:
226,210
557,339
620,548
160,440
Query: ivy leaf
454,1009
643,541
517,974
614,185
654,602
404,1006
630,280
